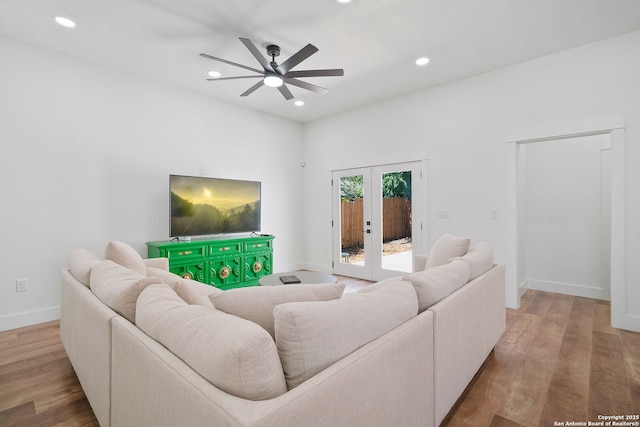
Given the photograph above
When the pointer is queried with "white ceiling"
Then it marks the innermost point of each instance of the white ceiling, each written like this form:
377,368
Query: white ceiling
375,41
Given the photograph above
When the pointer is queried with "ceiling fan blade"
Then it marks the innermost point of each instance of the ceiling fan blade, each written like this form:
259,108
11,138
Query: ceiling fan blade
305,85
234,78
284,90
316,73
256,53
204,55
253,88
297,58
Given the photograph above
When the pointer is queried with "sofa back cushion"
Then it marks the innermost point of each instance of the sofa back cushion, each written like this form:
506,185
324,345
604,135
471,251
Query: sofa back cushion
126,256
119,287
479,258
189,290
311,336
446,247
81,261
233,354
436,283
257,303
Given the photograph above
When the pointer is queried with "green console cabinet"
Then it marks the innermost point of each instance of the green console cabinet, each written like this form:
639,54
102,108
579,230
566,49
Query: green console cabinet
223,263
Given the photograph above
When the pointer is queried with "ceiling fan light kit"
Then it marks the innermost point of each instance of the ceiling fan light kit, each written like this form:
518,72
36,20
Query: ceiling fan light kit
278,75
273,80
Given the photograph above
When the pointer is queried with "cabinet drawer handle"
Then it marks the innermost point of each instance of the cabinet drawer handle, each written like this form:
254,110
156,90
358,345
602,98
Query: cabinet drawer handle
257,245
185,253
224,249
187,275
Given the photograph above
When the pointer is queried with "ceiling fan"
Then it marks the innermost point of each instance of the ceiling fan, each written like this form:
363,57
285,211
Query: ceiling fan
279,75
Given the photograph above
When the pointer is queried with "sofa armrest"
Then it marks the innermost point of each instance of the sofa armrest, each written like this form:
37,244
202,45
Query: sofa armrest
467,326
419,262
85,331
162,263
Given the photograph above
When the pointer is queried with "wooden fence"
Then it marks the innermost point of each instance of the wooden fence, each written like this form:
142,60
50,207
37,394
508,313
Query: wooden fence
396,218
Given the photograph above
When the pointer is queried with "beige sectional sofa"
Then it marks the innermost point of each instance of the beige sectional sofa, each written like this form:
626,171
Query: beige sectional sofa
151,349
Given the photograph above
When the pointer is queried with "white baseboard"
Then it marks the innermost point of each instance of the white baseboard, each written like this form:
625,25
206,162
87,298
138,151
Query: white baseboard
522,288
29,318
630,322
289,267
320,268
569,289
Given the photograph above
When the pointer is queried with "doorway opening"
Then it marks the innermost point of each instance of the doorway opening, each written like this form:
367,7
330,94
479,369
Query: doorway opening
622,314
564,219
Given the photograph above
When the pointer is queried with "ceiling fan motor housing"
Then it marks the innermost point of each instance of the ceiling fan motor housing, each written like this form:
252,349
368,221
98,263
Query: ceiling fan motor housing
273,50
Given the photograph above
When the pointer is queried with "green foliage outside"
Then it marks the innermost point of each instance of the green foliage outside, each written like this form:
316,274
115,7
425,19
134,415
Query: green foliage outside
394,184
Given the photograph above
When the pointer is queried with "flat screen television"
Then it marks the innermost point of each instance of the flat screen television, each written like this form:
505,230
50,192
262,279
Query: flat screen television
205,206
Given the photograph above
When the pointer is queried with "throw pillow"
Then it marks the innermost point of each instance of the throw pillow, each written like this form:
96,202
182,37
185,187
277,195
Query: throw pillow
119,287
81,261
191,291
436,283
233,354
125,255
446,247
479,258
257,303
311,336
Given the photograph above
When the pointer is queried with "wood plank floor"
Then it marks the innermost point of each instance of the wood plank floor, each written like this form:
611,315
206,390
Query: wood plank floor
559,360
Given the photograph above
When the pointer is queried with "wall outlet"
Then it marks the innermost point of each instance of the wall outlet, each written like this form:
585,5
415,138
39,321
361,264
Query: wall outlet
494,214
22,285
444,214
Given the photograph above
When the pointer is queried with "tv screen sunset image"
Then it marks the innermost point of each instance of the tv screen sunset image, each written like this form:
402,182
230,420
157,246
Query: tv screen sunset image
202,206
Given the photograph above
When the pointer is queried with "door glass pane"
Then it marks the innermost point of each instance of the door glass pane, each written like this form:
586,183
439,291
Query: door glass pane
396,221
352,220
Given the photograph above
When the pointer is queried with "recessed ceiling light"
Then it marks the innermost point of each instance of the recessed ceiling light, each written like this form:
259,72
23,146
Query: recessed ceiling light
214,74
422,61
65,22
344,1
299,103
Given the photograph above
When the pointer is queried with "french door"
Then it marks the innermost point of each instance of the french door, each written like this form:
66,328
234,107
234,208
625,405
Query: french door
376,220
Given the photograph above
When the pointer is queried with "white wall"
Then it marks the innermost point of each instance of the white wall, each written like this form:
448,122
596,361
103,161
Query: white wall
86,154
566,216
463,128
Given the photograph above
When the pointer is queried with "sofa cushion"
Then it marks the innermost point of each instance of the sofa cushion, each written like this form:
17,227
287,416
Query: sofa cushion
256,303
479,258
81,261
189,290
119,287
446,247
169,278
125,255
436,283
311,336
386,282
235,355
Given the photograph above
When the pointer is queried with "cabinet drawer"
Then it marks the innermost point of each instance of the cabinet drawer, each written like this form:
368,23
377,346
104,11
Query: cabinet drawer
225,250
186,252
260,246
